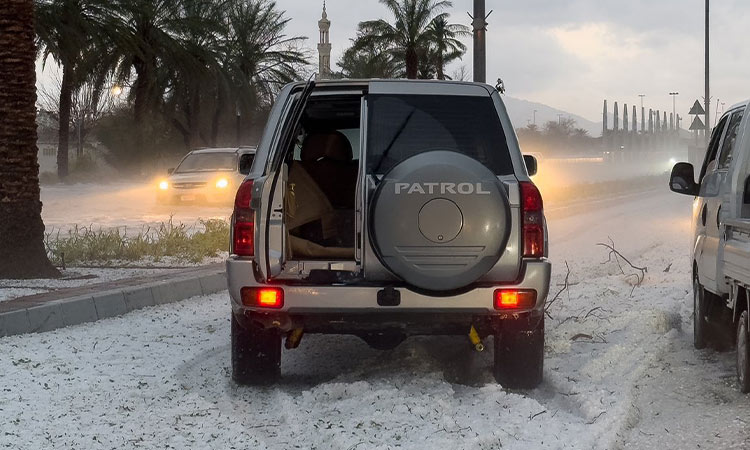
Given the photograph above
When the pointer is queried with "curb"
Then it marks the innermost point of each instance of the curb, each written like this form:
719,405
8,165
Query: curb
95,306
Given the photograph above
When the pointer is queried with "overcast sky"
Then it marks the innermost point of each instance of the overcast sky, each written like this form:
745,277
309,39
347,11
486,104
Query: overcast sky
571,54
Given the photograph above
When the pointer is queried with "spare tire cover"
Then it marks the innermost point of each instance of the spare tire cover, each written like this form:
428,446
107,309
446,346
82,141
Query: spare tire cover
440,220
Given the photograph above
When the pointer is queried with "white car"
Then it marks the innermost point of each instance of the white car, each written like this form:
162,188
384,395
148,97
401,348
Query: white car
721,237
209,175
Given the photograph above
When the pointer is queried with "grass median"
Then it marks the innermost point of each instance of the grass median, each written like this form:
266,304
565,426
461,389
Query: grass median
167,240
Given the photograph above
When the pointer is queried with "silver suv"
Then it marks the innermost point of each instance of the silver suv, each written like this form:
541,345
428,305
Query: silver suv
387,209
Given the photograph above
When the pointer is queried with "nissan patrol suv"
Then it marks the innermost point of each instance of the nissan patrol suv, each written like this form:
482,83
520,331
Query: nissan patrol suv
387,209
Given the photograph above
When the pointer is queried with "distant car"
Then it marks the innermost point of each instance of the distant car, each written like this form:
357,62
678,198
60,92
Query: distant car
210,175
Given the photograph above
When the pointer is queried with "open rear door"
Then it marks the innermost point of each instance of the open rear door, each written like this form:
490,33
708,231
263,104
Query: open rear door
271,229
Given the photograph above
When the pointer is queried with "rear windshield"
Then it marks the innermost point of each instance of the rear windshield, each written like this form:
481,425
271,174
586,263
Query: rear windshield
208,162
401,126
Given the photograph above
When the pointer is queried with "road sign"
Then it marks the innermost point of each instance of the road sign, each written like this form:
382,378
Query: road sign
697,109
697,124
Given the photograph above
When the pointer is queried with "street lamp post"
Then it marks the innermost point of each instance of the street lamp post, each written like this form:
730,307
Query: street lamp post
707,99
535,117
641,96
674,104
238,123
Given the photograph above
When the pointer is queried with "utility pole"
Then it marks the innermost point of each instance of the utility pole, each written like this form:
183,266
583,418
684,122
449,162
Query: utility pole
535,117
480,41
707,99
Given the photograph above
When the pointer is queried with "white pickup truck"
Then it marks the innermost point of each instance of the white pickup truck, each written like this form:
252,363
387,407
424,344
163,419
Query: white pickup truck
721,236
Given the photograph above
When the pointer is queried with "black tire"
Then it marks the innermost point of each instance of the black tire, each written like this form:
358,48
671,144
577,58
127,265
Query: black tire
256,355
519,357
743,353
700,312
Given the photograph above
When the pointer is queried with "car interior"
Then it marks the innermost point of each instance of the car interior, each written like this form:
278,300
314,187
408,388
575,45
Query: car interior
322,181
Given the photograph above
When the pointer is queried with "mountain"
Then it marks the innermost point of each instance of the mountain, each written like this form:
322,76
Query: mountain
522,112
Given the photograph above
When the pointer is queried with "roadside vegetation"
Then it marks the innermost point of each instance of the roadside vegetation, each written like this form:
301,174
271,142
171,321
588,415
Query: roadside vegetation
181,71
174,242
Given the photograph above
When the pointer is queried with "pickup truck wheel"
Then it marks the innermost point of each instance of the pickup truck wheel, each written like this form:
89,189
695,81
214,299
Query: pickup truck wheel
700,308
743,357
256,355
519,358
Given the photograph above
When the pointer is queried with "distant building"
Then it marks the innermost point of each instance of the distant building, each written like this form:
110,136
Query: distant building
324,47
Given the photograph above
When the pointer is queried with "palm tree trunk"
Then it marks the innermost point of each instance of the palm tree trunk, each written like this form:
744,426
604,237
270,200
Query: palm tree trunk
22,252
412,63
63,129
440,66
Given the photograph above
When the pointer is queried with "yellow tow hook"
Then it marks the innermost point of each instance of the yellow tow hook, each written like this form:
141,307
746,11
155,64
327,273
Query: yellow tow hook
293,338
476,341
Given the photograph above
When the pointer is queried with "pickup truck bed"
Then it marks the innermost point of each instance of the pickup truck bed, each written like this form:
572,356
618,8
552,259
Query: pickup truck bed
737,251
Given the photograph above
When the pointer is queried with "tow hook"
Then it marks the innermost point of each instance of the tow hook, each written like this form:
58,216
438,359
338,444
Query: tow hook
293,338
476,341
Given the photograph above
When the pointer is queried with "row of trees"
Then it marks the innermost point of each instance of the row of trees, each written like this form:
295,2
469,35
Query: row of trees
556,138
188,64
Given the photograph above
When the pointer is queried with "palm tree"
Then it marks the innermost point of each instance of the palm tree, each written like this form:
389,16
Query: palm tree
445,45
369,62
22,252
408,34
152,39
258,57
67,30
189,87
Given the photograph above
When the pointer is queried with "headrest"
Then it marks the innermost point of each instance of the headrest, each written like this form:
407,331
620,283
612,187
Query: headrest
332,145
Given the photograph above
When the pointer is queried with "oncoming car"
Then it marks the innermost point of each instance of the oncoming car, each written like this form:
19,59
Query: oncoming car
209,175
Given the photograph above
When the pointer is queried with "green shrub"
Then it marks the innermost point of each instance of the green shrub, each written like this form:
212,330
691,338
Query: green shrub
190,244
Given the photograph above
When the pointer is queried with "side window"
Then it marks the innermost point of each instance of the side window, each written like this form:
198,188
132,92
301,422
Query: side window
246,163
730,139
713,146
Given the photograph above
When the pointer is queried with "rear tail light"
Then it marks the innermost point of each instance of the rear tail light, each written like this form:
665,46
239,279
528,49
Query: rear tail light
263,297
532,212
243,232
514,299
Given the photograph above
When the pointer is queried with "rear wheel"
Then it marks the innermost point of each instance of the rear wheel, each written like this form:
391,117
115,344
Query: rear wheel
700,309
256,355
519,357
743,358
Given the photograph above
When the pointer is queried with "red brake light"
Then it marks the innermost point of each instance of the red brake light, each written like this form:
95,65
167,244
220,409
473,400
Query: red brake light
532,212
263,297
244,195
515,299
243,236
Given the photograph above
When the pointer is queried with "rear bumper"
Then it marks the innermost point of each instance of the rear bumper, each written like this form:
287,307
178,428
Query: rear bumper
353,301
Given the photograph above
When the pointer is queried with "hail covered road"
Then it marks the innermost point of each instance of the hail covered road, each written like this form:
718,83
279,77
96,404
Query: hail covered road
620,369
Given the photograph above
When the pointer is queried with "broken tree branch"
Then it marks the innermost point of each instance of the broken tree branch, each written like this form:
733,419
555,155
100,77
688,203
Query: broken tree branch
617,256
564,288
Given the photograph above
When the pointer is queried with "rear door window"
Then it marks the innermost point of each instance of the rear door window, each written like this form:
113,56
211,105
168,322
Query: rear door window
401,126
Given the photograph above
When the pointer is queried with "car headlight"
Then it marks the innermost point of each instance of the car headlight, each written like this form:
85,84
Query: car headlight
222,183
164,185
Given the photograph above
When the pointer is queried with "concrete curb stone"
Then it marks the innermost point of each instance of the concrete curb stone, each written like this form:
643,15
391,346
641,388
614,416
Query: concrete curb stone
80,309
